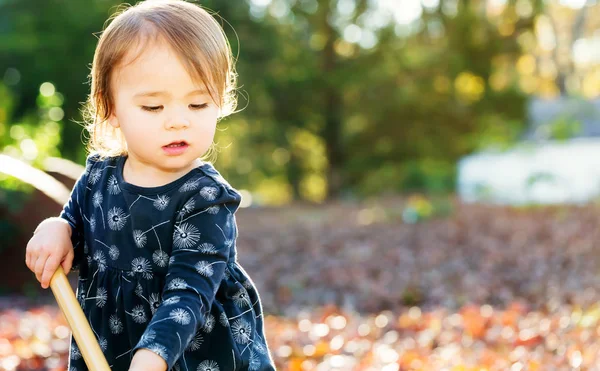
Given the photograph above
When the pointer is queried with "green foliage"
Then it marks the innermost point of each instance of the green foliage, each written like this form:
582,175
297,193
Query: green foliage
32,138
35,135
564,128
319,116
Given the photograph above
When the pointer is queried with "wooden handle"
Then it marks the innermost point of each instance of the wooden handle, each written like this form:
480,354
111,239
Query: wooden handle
82,332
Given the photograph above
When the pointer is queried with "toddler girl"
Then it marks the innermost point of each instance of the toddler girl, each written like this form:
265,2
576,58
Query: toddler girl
150,226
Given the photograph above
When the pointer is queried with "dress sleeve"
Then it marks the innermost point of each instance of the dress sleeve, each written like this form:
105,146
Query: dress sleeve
203,236
72,210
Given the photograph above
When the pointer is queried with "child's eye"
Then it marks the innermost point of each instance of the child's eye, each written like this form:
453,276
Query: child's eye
151,108
198,106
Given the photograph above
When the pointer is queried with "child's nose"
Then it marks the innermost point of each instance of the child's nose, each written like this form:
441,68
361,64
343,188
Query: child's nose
177,122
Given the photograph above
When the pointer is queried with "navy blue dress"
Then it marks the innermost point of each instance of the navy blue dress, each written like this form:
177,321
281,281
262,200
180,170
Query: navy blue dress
158,270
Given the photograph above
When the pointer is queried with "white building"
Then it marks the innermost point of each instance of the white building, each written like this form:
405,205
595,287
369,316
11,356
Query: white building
539,169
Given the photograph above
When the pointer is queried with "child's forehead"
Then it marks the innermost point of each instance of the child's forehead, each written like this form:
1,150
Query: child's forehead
155,67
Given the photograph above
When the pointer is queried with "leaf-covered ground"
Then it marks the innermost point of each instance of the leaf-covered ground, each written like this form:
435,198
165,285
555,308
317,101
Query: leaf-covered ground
355,288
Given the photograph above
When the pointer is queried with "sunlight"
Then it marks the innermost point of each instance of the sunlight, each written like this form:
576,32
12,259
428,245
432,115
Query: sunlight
37,178
404,11
574,4
64,167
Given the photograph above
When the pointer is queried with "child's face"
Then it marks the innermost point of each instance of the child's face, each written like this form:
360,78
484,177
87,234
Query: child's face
170,128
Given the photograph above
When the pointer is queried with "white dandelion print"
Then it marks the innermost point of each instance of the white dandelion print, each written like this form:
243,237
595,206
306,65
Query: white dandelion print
180,316
160,258
177,284
231,232
195,343
159,349
208,248
161,202
260,348
101,297
241,330
94,176
139,291
247,284
209,322
226,274
190,185
204,268
147,337
142,266
75,353
140,238
208,365
213,210
115,325
223,320
172,300
113,252
97,199
138,314
100,260
103,344
113,185
154,300
185,236
209,193
254,361
187,207
241,299
93,223
116,218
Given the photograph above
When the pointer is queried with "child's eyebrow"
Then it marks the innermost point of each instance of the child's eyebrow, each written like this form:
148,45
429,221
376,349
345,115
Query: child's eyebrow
164,93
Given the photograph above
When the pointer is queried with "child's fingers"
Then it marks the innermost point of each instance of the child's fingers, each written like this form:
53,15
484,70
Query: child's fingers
28,259
49,268
39,264
68,262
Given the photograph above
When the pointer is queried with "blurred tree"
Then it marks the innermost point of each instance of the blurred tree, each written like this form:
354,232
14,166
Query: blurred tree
337,97
433,96
51,41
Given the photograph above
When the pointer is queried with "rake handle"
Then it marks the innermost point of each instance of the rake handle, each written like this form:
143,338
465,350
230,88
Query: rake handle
82,332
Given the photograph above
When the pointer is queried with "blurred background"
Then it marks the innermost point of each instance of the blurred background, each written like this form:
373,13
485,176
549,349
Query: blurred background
421,178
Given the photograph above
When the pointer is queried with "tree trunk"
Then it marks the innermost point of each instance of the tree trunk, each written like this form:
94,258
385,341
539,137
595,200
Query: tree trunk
332,132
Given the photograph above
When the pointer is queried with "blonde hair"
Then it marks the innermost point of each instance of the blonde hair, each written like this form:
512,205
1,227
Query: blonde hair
194,35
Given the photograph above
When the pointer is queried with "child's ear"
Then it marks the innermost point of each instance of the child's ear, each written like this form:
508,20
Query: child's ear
113,121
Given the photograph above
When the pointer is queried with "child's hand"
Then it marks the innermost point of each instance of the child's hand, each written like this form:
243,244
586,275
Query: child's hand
146,360
50,247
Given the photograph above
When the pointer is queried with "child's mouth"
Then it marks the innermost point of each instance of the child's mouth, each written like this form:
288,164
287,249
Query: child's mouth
178,144
175,148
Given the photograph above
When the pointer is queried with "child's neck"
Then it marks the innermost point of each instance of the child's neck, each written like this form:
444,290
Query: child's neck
146,175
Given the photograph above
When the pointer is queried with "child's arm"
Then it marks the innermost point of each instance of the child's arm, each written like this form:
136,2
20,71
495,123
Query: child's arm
56,241
204,235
